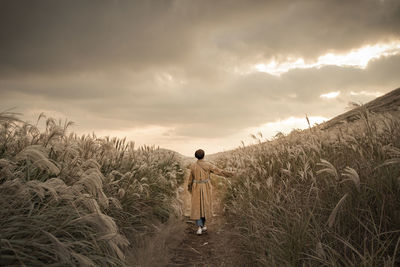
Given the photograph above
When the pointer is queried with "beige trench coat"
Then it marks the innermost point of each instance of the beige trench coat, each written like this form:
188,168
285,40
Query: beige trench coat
199,181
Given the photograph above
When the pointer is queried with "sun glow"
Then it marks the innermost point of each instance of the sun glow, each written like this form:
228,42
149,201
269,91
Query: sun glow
330,95
358,58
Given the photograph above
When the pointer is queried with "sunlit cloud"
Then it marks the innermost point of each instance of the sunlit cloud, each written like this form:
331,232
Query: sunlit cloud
276,68
330,95
365,93
358,58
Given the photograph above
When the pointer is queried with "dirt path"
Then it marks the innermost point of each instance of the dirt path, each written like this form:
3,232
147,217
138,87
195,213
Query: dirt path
209,249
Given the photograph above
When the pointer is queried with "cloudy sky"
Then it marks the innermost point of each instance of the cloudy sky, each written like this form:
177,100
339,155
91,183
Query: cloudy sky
186,74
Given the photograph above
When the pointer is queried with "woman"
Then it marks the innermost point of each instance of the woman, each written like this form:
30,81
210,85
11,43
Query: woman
199,185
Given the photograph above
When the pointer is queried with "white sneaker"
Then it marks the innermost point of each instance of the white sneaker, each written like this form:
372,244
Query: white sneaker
199,231
204,229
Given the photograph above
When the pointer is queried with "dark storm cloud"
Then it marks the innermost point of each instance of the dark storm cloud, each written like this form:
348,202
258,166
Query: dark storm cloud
123,64
42,36
64,36
311,28
205,110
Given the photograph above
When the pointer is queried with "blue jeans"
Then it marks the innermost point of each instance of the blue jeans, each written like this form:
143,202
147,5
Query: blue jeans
200,222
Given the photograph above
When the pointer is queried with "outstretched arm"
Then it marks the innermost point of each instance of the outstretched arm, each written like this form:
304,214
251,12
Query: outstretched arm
219,171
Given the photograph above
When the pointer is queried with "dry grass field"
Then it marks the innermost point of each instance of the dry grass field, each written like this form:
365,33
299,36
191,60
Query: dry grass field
328,195
79,201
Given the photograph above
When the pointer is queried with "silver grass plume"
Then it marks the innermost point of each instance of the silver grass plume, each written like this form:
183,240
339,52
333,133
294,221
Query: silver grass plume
37,155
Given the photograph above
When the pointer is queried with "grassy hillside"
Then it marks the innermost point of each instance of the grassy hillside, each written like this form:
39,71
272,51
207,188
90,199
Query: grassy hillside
389,103
321,197
68,200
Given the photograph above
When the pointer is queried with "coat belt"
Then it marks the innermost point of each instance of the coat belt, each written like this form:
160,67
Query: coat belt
201,181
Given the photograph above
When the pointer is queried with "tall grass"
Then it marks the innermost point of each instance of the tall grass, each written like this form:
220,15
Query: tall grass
319,197
78,200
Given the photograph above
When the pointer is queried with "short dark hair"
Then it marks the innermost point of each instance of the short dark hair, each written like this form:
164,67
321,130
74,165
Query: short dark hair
199,154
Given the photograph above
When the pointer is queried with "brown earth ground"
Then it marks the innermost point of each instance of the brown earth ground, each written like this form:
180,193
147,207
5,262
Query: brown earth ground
210,248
